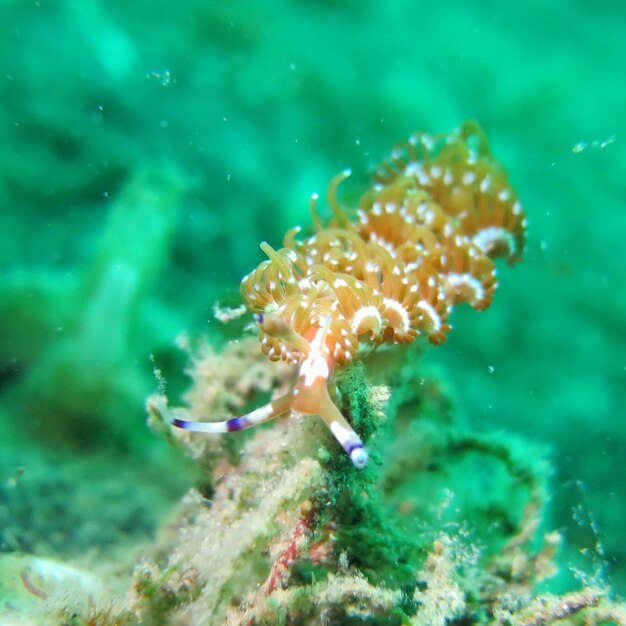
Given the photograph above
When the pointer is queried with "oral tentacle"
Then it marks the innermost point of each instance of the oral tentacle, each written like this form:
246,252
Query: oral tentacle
311,397
264,413
342,431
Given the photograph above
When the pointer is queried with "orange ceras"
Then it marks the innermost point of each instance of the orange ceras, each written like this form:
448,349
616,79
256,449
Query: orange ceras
422,240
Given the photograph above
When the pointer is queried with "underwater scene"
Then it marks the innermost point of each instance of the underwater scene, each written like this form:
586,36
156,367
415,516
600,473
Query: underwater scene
312,312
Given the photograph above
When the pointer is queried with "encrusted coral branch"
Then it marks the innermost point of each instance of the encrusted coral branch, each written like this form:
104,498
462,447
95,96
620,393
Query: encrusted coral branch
420,242
280,568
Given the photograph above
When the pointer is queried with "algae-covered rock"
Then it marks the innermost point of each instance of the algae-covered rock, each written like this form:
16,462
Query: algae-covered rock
444,526
36,591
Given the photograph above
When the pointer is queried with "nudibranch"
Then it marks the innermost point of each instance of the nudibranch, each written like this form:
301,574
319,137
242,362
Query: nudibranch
422,239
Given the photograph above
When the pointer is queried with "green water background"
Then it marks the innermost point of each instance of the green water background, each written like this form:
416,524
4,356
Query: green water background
146,148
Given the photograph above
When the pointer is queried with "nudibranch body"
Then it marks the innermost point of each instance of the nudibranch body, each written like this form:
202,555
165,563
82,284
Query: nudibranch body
422,240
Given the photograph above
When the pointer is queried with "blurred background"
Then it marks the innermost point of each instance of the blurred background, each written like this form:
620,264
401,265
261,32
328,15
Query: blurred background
146,148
